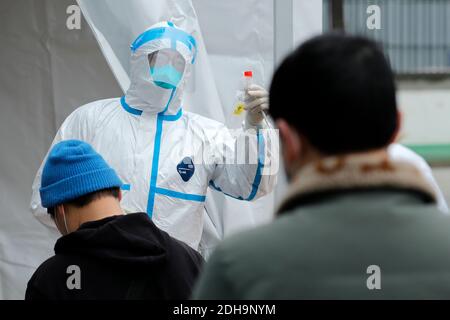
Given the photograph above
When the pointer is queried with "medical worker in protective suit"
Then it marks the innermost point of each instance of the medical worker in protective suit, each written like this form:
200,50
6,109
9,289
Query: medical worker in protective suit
154,144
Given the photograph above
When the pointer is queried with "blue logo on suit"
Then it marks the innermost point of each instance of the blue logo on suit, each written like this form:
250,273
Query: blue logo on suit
186,169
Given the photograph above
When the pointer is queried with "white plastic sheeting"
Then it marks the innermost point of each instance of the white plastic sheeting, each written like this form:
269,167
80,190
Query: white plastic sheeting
47,71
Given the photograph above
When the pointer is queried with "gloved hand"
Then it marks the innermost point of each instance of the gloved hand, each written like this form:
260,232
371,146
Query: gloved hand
257,102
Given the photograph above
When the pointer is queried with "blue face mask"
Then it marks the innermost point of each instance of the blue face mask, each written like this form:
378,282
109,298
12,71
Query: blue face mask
166,77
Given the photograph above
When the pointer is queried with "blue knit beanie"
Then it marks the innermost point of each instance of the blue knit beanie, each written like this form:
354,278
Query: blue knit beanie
73,169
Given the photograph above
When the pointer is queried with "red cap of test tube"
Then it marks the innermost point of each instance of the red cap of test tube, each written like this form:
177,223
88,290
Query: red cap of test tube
248,74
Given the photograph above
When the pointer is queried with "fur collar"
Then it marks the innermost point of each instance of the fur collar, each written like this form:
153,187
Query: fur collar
357,171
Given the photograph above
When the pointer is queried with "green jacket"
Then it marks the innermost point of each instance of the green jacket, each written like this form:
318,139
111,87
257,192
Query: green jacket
340,218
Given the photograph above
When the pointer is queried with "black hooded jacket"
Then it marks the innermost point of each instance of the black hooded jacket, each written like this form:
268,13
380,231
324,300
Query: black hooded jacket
120,257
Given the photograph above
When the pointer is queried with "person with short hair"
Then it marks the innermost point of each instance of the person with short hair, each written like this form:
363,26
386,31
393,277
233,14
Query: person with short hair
356,223
104,254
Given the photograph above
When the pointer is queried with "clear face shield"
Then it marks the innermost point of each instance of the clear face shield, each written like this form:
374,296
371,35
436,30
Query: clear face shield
167,67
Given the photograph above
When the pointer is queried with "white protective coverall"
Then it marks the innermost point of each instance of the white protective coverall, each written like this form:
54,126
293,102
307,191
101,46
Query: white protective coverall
154,145
398,152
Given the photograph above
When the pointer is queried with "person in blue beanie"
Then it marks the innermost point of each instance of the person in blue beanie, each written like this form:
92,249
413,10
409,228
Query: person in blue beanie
103,253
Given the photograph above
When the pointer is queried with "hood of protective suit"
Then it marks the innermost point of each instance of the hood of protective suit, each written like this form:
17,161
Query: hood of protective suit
144,95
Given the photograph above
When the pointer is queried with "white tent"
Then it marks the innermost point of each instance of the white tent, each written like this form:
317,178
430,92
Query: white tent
48,70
